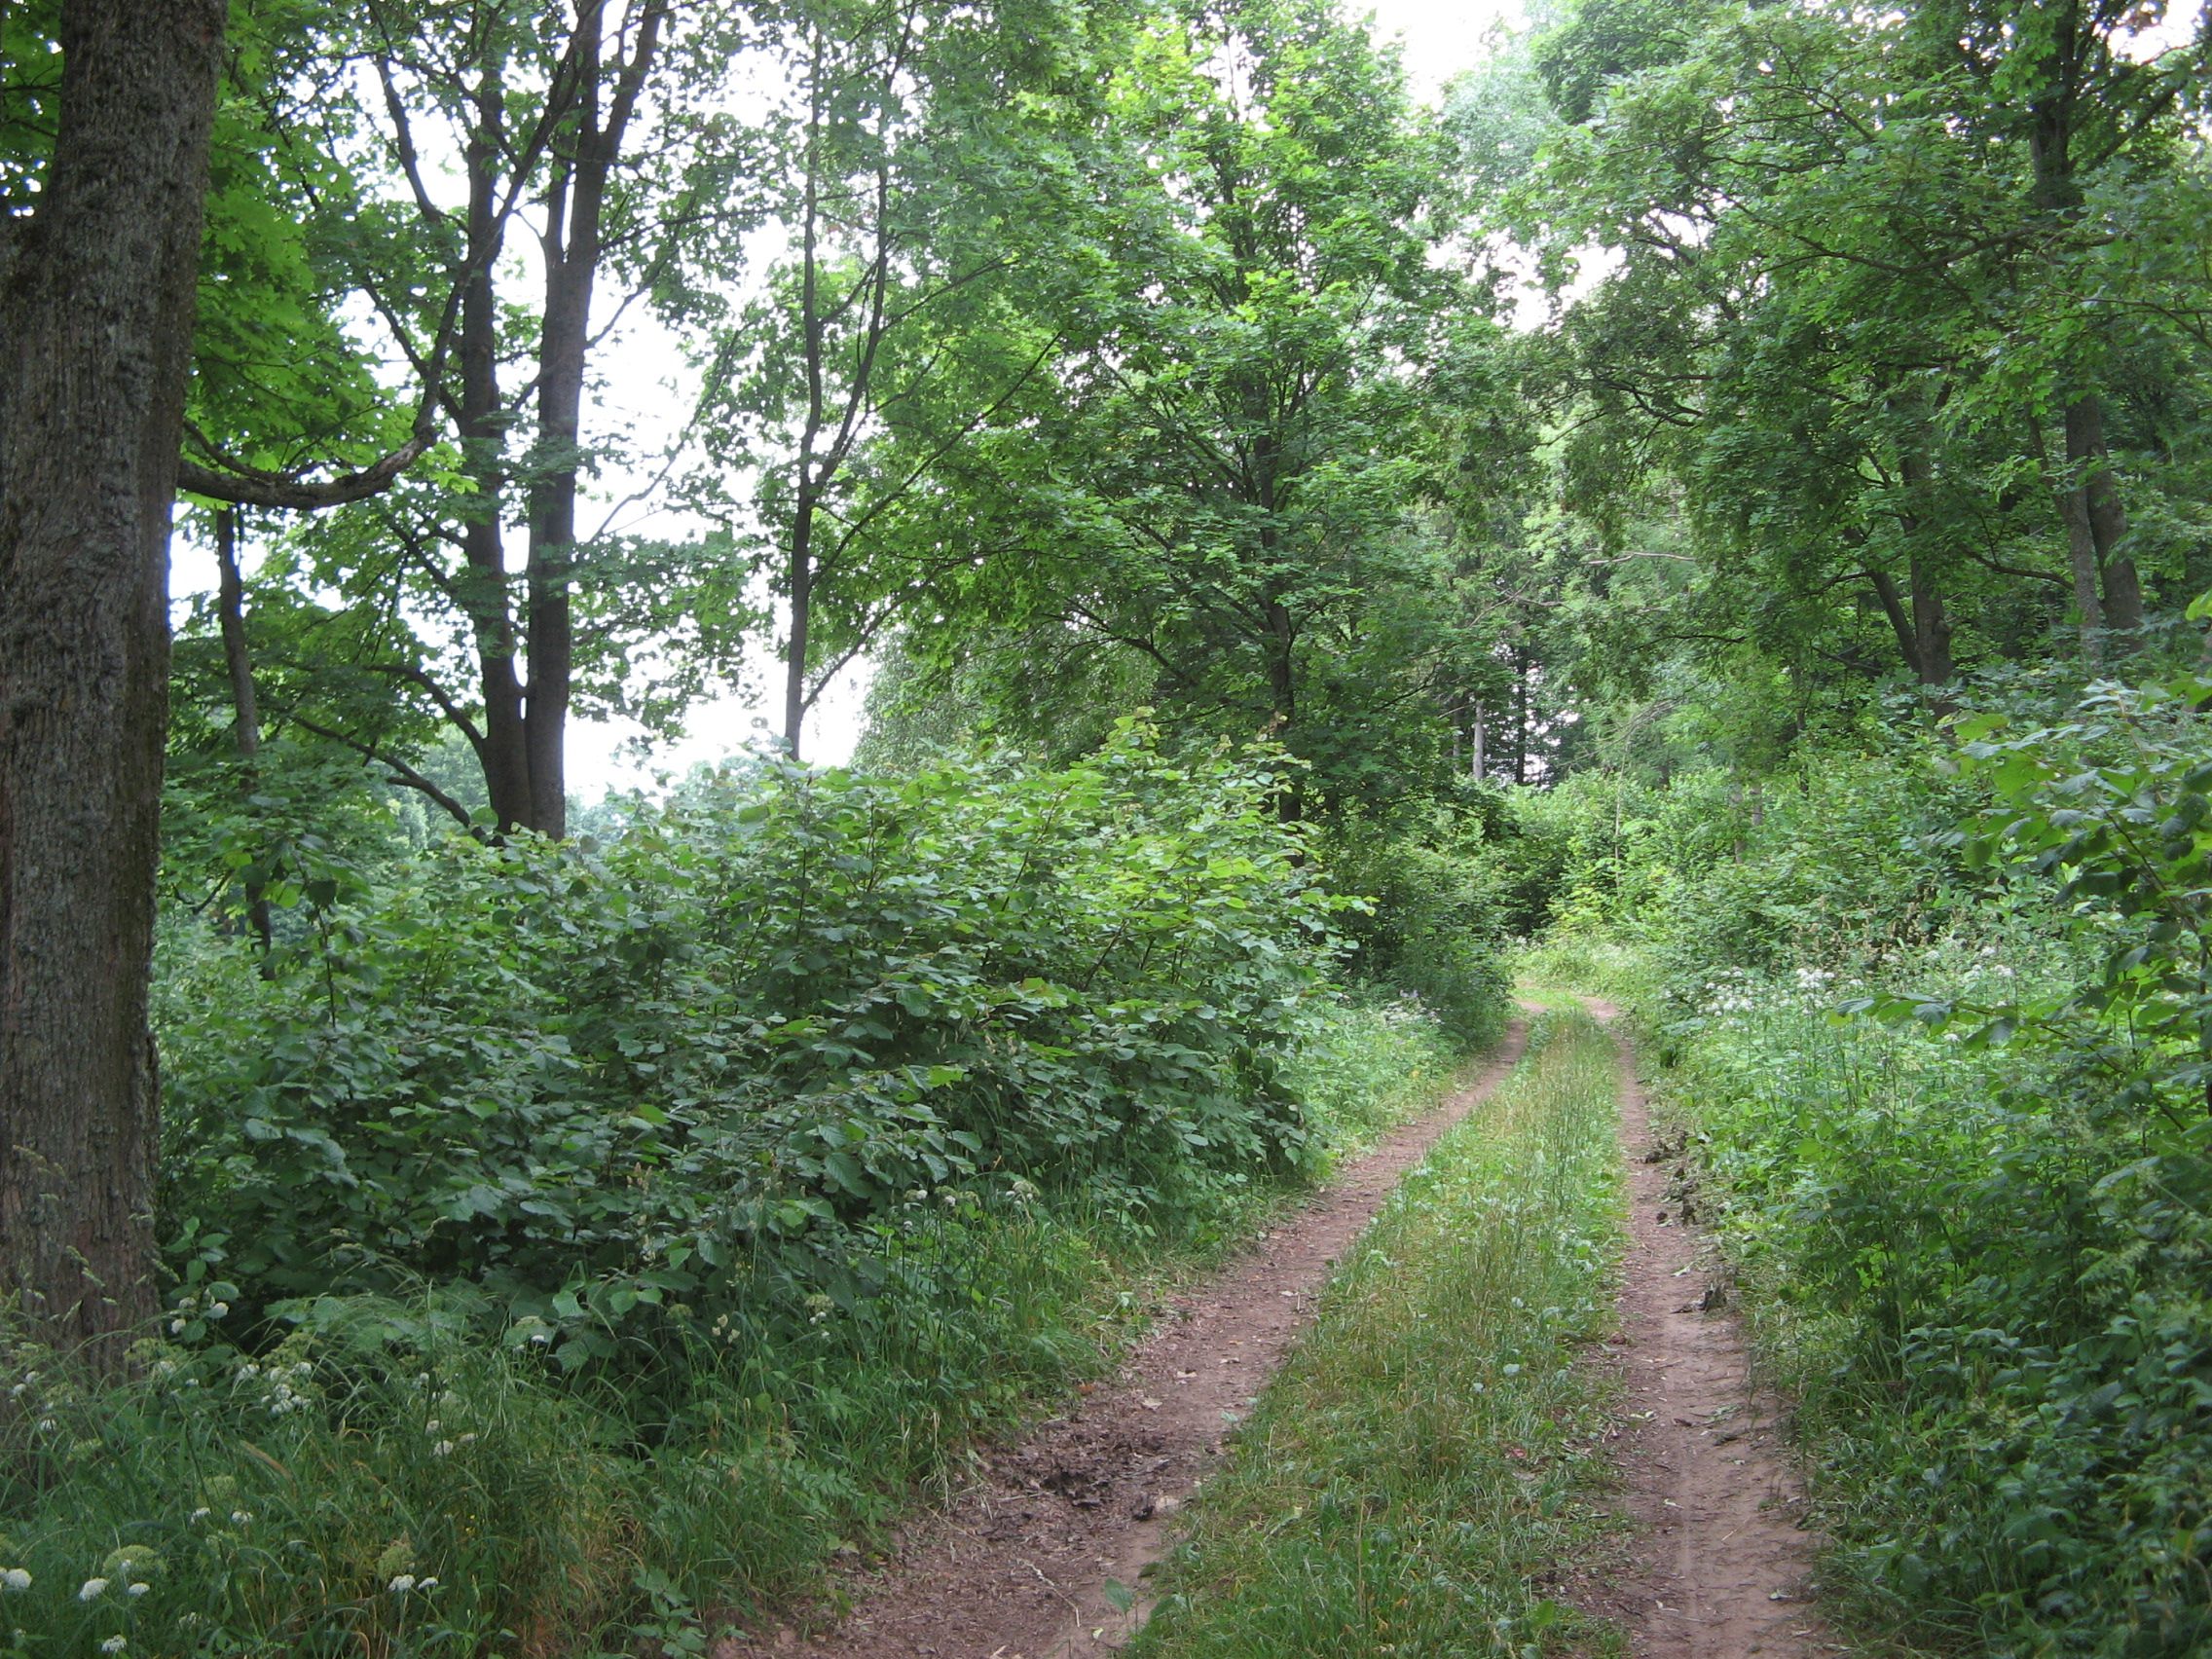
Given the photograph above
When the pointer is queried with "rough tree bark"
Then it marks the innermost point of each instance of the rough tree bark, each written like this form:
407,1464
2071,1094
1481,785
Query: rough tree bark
96,293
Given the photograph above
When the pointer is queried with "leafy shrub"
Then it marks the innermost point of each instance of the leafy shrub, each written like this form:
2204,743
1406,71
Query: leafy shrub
1431,926
1980,1235
616,1084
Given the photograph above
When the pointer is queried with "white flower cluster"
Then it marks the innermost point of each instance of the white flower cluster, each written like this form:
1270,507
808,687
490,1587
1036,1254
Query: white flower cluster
277,1385
196,1305
1729,991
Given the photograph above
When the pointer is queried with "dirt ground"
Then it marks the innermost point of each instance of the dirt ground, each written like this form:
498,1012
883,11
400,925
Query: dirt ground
1720,1562
1018,1567
1029,1560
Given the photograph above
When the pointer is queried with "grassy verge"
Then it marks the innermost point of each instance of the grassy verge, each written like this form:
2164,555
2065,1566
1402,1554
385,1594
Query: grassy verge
394,1482
1418,1468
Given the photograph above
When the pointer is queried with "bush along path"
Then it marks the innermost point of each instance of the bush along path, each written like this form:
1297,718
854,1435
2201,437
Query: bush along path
1721,1561
1045,1552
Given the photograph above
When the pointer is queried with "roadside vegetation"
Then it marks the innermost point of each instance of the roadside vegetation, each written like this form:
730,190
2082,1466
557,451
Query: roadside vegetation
1934,1016
1716,490
1429,1461
579,1240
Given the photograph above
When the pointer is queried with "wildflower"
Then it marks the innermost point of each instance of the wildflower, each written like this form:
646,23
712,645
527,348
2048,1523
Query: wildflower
242,1517
432,1427
443,1448
426,1584
1513,1371
93,1590
218,1310
199,1515
15,1579
176,1327
115,1645
401,1584
137,1589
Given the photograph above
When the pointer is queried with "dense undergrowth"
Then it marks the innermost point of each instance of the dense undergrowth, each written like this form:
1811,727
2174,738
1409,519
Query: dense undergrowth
574,1240
1937,1015
1422,1465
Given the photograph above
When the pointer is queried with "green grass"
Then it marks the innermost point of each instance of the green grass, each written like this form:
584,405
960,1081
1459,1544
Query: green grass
394,1482
1428,1456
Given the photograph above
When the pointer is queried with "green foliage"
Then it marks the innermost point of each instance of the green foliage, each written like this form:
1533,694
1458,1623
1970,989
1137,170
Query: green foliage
388,1480
727,1044
1432,922
572,1239
1979,1234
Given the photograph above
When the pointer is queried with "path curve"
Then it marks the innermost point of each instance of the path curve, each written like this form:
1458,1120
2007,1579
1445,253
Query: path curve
1018,1565
1722,1560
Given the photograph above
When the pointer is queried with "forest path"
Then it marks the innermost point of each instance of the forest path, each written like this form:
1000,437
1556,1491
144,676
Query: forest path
1019,1565
1720,1565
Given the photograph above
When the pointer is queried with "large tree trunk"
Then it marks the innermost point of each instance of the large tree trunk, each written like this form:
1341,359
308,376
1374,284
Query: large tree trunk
95,326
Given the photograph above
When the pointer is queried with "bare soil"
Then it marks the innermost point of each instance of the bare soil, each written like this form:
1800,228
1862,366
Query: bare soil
1018,1565
1720,1562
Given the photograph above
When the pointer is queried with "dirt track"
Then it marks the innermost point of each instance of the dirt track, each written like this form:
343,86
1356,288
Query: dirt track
1018,1567
1721,1561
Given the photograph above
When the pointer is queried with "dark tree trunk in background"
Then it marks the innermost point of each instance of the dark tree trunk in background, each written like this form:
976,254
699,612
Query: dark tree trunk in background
245,706
96,293
2101,506
2053,112
1520,714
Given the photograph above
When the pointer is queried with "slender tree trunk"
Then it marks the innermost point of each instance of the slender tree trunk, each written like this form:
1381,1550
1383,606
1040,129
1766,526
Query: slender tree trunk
2101,505
96,324
1520,715
1930,626
505,749
2057,194
800,577
1924,631
1476,769
245,708
574,244
2081,557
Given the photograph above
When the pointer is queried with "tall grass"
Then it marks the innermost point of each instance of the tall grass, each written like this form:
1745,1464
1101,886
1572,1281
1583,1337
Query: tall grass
389,1481
1989,1301
1414,1477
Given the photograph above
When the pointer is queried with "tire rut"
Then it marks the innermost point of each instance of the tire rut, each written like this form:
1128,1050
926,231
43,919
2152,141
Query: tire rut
1018,1565
1721,1558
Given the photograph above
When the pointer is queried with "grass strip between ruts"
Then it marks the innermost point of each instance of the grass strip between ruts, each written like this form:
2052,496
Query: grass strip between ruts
1414,1479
